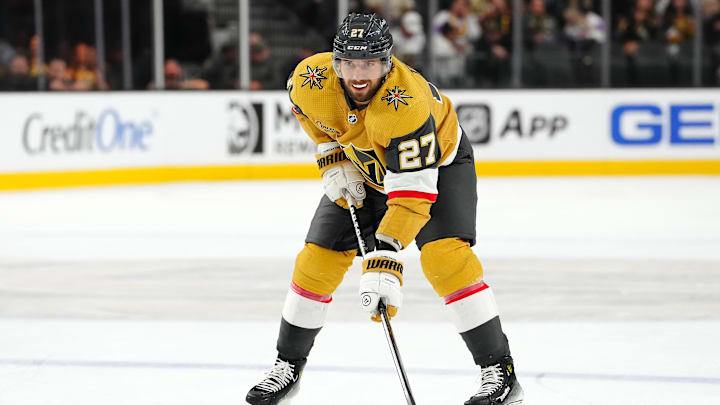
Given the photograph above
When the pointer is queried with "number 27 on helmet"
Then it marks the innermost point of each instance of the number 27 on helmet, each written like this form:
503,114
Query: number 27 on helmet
362,48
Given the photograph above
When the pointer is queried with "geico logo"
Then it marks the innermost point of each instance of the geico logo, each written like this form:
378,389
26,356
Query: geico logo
646,124
357,47
106,133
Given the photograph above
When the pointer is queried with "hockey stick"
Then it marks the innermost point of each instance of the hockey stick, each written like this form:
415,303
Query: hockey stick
383,312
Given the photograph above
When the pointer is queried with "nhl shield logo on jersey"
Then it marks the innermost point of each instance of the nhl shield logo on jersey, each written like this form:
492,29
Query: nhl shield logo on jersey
396,96
352,118
314,76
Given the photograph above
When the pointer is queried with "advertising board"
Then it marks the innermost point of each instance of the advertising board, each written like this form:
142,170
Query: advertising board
128,137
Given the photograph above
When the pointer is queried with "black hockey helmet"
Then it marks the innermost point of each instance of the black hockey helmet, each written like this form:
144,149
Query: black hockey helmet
363,36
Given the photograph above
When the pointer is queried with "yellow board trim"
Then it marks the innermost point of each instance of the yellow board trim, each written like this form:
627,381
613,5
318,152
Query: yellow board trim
599,168
146,175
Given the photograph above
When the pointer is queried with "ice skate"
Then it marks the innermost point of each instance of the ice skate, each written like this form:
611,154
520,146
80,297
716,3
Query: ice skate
280,383
499,385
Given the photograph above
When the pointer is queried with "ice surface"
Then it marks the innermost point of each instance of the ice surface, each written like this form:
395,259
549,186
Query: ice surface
609,290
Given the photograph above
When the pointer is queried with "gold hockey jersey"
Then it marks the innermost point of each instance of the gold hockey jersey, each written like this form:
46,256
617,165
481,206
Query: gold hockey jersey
397,141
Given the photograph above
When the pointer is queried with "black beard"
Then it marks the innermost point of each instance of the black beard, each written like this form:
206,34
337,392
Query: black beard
366,97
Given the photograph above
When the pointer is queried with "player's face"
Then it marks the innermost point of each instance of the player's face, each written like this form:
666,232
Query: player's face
362,77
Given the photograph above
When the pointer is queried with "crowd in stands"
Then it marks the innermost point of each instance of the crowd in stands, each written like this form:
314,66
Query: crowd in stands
23,68
651,42
471,41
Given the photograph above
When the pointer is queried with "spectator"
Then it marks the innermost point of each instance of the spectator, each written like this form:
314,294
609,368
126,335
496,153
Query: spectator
18,77
678,25
82,70
481,7
711,35
175,80
583,26
584,32
540,27
496,43
394,14
454,31
409,39
543,64
57,76
661,6
678,28
7,53
638,28
113,76
263,72
222,71
34,48
173,75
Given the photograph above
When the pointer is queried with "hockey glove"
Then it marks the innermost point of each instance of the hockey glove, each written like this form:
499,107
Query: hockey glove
339,175
381,280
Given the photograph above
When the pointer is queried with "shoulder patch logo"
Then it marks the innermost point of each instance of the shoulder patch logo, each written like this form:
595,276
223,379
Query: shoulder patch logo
396,96
314,76
352,118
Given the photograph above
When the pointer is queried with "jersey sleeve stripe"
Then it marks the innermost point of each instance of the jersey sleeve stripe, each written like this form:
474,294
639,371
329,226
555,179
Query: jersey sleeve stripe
304,312
473,310
420,184
310,295
465,292
413,194
423,181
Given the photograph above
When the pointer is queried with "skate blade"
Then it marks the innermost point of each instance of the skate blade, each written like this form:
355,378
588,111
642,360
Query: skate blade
516,397
288,398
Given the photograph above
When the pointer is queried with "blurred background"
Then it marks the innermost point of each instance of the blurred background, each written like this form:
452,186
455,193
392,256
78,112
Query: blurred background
67,45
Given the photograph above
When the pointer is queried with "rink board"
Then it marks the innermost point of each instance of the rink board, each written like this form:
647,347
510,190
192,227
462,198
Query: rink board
68,139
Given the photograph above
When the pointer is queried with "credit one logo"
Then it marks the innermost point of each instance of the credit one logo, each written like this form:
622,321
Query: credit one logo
651,124
106,133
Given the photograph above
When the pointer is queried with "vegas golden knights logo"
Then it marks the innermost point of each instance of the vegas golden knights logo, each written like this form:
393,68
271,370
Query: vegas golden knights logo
368,163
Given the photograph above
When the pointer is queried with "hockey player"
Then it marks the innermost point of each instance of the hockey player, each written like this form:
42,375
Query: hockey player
389,141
